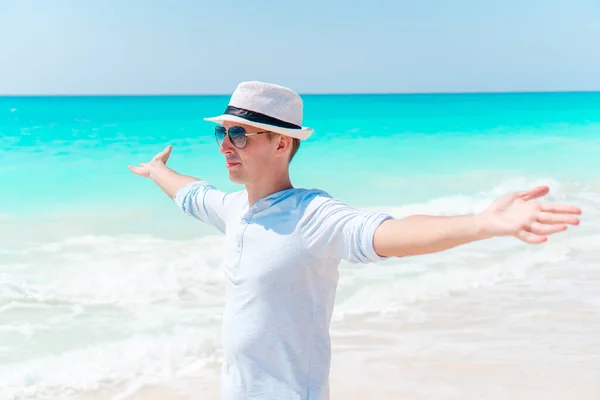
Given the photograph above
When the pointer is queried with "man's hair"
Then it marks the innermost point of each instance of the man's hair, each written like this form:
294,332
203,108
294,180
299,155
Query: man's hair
295,144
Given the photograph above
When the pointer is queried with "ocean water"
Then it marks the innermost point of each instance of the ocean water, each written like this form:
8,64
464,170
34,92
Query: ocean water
108,291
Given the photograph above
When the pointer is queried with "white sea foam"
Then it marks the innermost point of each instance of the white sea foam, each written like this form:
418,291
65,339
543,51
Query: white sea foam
92,269
139,358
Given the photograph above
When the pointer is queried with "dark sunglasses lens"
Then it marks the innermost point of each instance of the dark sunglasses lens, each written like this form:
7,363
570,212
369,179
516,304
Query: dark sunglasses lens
237,134
220,133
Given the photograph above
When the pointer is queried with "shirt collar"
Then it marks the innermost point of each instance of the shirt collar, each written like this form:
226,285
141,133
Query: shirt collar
269,201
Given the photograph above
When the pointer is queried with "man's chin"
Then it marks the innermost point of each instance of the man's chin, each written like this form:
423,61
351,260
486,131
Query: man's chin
236,178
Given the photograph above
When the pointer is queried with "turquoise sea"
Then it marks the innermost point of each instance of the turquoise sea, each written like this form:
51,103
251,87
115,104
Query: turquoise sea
105,284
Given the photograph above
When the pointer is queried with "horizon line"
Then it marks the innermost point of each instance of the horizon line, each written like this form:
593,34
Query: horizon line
300,93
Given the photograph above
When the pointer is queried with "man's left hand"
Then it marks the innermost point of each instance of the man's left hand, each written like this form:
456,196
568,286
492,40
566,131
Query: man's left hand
516,215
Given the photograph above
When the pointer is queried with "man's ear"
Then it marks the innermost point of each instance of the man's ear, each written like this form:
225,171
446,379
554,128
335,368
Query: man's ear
283,145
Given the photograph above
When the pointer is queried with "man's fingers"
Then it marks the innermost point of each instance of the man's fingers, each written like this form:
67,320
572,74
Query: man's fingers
141,170
534,193
164,155
552,218
543,229
531,238
135,170
560,208
167,153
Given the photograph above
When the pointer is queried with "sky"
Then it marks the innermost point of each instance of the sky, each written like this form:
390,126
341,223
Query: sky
71,47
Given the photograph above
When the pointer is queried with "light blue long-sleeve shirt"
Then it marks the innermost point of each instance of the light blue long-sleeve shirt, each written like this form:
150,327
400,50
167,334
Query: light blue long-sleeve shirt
281,268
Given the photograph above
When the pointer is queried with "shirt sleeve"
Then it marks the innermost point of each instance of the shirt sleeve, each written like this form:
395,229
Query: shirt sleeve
331,228
203,201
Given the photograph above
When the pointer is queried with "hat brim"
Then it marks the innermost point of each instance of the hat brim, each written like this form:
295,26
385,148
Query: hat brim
302,133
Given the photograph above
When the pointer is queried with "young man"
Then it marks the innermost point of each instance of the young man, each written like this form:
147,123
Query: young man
284,245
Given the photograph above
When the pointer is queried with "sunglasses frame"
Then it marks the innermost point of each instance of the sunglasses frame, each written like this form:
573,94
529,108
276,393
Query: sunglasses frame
220,128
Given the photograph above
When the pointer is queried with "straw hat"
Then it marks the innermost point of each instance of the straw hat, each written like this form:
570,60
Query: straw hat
266,106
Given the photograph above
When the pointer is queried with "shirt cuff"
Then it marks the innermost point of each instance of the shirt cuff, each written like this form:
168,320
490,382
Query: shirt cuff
181,193
375,221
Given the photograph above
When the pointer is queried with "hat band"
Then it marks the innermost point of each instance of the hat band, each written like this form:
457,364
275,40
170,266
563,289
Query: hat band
259,118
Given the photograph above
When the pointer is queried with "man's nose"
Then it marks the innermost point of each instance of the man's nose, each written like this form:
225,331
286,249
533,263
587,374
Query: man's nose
227,147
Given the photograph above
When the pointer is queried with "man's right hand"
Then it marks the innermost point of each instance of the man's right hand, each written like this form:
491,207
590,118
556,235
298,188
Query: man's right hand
158,160
167,179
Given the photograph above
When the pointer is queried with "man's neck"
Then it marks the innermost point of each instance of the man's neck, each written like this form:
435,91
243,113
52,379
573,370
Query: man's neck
260,190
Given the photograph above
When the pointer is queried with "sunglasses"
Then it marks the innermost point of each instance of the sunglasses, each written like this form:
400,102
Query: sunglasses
237,135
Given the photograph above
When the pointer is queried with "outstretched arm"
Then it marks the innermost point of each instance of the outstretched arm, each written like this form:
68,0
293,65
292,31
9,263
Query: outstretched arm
511,215
167,179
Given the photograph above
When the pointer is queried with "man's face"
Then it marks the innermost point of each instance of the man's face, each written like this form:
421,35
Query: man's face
255,161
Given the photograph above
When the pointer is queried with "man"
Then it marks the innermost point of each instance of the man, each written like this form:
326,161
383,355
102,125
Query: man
284,245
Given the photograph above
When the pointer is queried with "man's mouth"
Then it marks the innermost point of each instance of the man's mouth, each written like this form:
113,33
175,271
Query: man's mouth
231,163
